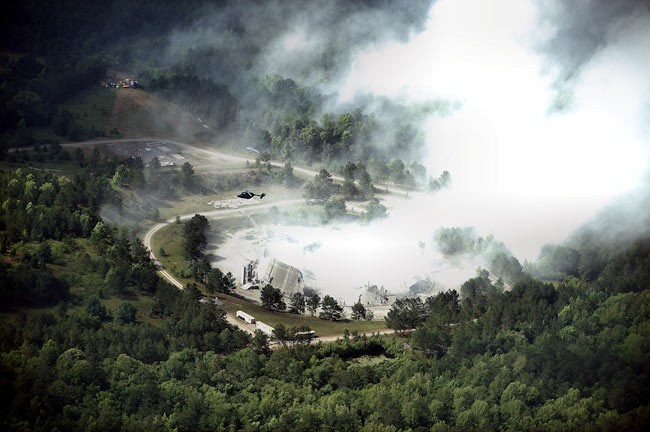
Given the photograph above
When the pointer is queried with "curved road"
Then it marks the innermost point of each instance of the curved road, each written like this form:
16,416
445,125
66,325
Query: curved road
225,212
214,214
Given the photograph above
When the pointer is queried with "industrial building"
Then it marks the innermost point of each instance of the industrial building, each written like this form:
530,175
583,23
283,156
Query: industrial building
286,278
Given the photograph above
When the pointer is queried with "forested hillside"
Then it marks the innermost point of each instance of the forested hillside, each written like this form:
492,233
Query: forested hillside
93,339
215,68
539,357
570,355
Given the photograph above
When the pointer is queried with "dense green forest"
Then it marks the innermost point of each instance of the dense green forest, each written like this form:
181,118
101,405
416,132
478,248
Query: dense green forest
569,355
92,339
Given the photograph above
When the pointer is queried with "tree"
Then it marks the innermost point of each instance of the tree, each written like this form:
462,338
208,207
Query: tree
312,304
374,210
406,313
94,157
281,334
349,189
445,179
229,283
62,121
287,174
260,343
95,309
358,311
365,183
194,238
154,164
189,179
443,182
125,313
115,281
418,171
79,156
334,207
43,254
320,188
272,298
297,303
331,309
201,269
301,334
396,171
214,281
349,170
121,175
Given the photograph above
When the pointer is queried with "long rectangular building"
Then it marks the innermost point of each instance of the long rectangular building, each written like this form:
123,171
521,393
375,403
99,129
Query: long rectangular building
284,277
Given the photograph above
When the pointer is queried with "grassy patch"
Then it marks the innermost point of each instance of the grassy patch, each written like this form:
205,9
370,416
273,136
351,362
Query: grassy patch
321,327
40,161
170,238
92,109
69,263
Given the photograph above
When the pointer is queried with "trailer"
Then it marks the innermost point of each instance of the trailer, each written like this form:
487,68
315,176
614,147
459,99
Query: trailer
264,328
245,317
305,336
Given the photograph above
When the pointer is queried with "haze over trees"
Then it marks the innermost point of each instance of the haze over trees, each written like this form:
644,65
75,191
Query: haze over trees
91,338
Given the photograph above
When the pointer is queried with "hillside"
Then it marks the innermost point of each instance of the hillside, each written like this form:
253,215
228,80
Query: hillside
139,113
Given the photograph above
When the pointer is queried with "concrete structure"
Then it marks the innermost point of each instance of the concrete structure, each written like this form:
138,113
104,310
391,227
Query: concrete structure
372,295
264,328
245,317
250,273
284,277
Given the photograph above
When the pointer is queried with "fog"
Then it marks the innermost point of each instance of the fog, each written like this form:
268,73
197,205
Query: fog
539,144
541,119
341,258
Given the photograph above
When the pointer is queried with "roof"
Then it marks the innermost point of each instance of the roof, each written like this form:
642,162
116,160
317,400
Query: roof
285,277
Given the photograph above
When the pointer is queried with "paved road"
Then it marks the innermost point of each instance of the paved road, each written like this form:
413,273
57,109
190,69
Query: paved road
219,213
220,155
212,153
215,214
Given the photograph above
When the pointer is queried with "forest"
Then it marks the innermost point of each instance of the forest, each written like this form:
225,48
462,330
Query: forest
93,339
541,356
277,114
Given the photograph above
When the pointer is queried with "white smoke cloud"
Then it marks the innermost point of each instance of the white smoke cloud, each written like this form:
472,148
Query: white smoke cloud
532,156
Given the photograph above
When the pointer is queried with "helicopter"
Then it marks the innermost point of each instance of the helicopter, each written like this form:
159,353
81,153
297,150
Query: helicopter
249,195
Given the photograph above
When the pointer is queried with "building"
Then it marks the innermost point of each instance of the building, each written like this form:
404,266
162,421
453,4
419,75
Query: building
250,273
284,277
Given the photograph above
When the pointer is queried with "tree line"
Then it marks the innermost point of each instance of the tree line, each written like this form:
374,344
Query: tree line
539,356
